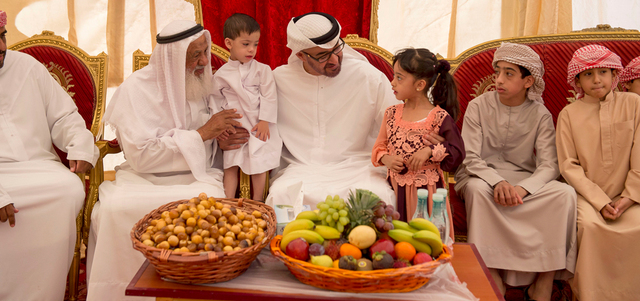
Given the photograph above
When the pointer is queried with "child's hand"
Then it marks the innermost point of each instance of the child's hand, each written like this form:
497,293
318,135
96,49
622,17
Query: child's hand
622,205
224,135
262,130
608,212
418,159
506,195
393,163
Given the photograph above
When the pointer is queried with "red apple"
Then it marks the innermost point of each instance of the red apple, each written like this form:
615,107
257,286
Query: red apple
421,258
298,249
383,245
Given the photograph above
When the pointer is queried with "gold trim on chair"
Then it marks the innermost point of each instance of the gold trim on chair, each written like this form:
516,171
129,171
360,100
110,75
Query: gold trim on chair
357,42
602,32
97,66
197,7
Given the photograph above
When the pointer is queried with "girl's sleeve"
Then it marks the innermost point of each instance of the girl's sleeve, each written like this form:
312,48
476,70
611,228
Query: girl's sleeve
449,153
380,147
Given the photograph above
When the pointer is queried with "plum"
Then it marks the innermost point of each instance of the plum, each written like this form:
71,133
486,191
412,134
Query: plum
316,249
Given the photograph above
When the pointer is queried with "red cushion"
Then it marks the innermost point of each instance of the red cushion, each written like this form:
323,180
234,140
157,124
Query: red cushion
378,62
73,76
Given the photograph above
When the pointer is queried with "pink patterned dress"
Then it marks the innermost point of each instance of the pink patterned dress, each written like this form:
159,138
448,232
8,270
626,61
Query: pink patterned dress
400,137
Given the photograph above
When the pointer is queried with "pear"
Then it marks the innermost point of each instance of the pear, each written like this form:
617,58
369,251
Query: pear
324,260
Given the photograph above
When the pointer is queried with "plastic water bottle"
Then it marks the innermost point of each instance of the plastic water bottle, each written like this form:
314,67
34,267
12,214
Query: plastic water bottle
445,193
438,218
421,208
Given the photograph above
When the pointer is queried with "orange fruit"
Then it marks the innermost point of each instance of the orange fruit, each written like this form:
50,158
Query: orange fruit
336,263
405,250
349,249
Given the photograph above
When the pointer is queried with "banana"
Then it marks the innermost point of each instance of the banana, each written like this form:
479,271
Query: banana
423,224
403,226
403,235
310,215
327,232
309,235
430,238
299,224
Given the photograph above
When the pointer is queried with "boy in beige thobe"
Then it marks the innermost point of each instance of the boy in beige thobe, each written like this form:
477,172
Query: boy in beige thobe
599,156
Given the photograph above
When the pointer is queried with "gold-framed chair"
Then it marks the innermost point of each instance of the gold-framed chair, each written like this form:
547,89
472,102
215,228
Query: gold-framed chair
83,77
376,55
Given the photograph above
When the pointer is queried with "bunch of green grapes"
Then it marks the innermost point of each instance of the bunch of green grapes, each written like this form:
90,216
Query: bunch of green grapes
333,212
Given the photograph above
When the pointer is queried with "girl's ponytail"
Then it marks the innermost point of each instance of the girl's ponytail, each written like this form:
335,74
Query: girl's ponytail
445,92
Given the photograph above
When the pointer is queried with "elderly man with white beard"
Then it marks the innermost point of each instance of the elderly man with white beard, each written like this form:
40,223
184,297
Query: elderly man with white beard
166,123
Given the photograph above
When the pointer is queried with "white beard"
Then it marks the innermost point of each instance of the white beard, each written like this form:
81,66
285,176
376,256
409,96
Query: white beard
197,87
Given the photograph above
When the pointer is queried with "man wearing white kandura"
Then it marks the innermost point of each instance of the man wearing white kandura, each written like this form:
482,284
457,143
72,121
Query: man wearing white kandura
331,103
166,123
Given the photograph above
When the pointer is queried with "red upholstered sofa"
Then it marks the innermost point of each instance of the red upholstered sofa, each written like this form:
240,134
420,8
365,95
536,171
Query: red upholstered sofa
473,71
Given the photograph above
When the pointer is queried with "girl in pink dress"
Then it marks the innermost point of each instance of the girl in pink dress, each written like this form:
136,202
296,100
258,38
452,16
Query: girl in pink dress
419,138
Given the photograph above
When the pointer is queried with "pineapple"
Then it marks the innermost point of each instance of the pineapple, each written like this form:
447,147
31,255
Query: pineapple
361,206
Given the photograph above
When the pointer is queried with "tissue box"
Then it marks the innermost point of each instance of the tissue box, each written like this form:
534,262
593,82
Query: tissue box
286,214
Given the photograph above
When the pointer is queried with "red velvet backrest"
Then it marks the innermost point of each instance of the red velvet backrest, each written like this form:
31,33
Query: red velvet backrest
474,75
378,62
73,76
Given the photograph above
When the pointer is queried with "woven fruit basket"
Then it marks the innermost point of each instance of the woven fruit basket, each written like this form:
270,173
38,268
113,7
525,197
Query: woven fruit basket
376,281
204,267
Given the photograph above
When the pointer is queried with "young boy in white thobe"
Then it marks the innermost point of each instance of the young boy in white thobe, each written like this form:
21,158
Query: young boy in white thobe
248,86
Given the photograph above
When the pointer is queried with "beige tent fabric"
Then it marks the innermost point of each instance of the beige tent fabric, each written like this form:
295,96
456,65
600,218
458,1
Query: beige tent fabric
115,42
535,17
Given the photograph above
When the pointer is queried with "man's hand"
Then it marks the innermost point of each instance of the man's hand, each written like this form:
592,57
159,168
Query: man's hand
262,130
234,141
8,213
434,138
393,163
417,160
506,195
622,204
79,166
218,123
608,212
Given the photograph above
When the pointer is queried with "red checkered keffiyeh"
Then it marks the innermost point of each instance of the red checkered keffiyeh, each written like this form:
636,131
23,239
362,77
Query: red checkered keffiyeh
631,72
591,57
3,18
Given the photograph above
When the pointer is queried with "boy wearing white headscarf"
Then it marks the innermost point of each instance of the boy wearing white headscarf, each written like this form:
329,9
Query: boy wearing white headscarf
331,103
599,155
519,217
166,123
39,197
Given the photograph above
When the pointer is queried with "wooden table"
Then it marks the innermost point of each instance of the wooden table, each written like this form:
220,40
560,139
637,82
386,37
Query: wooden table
466,261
